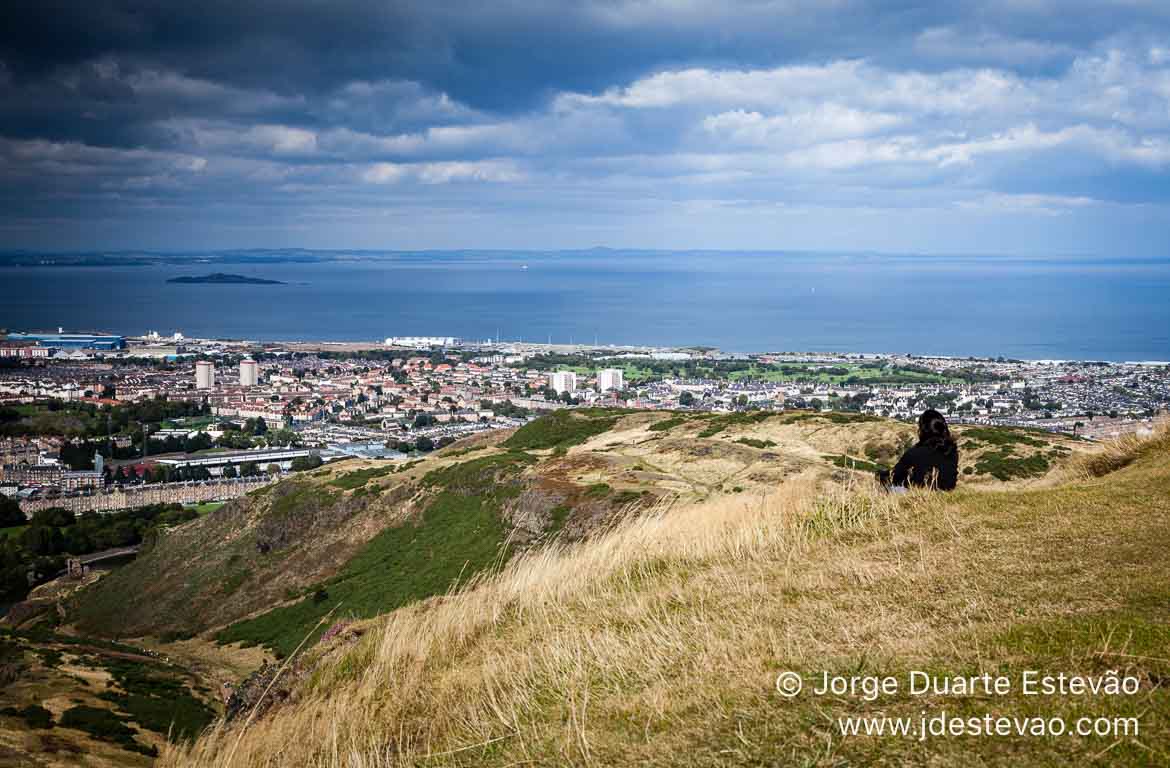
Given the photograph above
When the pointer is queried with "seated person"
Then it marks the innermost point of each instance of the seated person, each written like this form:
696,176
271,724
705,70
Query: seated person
932,463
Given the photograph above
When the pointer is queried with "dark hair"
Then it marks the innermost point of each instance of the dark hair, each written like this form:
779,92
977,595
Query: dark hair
933,431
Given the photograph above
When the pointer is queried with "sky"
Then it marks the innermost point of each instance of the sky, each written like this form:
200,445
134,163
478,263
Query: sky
987,126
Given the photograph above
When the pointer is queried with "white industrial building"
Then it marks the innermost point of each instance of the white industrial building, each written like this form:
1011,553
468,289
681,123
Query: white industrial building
249,373
421,342
610,378
563,381
204,375
215,463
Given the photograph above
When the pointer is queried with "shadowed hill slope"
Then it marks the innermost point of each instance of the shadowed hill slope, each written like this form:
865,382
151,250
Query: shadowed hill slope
659,642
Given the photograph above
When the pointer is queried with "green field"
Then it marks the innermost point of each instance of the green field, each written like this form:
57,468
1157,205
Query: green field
207,507
811,374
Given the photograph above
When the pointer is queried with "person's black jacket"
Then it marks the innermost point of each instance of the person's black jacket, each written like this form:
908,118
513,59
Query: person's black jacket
919,465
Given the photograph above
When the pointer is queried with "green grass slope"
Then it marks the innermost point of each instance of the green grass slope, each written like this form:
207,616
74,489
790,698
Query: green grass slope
459,534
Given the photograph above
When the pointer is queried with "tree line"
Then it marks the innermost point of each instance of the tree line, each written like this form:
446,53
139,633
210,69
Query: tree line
38,552
90,420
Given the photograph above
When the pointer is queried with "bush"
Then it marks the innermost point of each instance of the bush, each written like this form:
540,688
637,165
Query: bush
848,462
667,424
306,463
157,699
625,498
761,444
1002,465
359,477
10,513
104,725
1001,436
561,429
598,491
34,715
835,417
720,423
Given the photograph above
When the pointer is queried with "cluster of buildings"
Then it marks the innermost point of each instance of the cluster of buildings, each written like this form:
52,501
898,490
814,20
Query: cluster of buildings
377,400
25,478
1092,399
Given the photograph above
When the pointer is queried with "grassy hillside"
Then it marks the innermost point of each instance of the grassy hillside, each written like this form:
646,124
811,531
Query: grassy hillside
362,538
459,532
250,554
659,642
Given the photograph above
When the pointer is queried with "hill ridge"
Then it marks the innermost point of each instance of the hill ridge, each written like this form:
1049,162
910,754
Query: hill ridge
291,548
659,638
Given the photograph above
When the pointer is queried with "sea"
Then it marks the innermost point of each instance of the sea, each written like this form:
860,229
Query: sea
1029,308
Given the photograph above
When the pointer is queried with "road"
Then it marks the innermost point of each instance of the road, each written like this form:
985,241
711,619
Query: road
108,554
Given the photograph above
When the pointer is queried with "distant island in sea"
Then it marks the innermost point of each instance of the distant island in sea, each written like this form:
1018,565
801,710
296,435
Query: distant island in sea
224,278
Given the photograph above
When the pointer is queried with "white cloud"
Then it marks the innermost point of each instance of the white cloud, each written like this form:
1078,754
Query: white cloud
853,82
808,126
383,173
709,126
441,172
491,138
1033,204
1110,107
284,140
395,101
488,170
234,139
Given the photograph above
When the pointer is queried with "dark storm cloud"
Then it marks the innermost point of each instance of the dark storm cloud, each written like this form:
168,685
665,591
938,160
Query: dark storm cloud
349,110
502,55
66,62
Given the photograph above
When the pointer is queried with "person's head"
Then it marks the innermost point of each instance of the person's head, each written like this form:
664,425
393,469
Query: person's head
932,428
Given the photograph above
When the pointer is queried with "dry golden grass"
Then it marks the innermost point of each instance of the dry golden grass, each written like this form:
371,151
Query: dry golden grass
657,641
386,677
